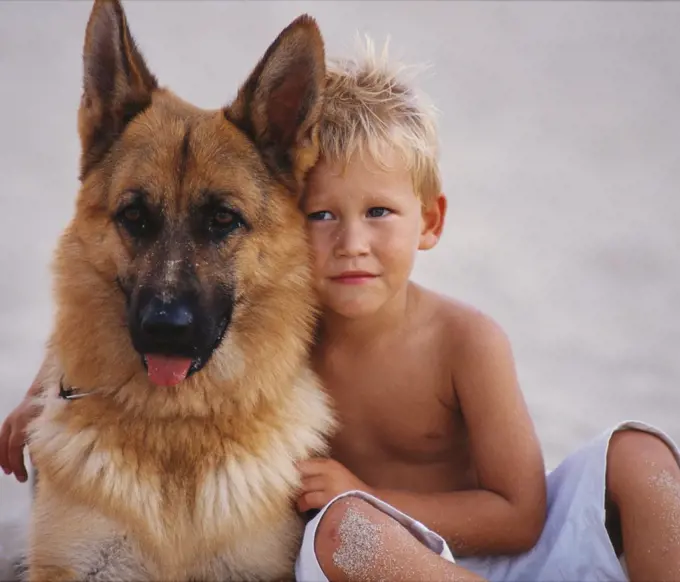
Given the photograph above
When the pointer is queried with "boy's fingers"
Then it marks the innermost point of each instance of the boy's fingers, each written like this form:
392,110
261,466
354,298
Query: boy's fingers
314,500
313,483
311,467
16,458
4,445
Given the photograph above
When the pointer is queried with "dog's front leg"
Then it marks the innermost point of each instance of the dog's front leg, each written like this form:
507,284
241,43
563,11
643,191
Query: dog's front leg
72,542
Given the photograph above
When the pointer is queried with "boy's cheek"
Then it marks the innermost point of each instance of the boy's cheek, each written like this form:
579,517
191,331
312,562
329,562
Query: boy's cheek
320,265
400,251
319,246
319,234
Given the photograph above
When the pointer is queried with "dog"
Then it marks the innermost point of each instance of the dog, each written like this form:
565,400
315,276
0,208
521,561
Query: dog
179,394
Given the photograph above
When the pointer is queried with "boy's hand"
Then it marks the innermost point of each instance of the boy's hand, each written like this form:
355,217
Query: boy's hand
13,439
323,480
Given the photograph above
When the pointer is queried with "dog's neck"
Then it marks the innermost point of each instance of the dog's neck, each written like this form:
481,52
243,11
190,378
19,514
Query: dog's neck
71,392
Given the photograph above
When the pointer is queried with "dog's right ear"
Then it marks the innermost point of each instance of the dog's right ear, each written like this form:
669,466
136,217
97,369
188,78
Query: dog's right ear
117,84
279,106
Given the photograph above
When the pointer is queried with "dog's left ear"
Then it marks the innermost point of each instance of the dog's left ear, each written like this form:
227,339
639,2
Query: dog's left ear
279,106
117,85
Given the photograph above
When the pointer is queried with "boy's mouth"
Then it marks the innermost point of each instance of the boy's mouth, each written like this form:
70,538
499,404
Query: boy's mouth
353,277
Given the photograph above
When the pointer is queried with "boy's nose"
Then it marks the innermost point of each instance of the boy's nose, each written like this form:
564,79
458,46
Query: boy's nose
352,241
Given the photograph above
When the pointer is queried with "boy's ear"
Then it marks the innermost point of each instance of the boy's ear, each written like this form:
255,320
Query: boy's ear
432,222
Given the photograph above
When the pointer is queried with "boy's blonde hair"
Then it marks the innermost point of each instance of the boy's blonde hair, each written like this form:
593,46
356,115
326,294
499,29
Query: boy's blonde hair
372,110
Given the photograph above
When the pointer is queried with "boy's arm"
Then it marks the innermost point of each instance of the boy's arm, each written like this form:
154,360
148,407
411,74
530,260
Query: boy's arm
507,513
13,430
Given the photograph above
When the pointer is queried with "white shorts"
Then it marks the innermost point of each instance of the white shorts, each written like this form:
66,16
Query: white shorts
574,544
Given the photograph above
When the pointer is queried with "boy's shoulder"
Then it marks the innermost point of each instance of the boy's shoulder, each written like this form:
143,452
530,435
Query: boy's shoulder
461,328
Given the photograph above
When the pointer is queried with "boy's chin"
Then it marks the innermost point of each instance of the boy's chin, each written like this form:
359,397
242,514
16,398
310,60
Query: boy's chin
355,309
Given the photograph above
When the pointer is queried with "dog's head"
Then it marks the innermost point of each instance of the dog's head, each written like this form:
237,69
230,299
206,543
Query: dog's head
187,229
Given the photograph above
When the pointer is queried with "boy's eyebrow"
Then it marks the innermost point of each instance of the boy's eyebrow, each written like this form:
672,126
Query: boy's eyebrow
384,192
315,200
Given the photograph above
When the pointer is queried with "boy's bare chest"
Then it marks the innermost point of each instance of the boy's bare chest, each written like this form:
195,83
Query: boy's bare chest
398,419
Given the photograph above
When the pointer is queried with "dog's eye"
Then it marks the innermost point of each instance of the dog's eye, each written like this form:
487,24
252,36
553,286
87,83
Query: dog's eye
224,218
132,214
224,221
135,219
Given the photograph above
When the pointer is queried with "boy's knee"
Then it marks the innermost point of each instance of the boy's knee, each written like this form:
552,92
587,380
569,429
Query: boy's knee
633,458
348,538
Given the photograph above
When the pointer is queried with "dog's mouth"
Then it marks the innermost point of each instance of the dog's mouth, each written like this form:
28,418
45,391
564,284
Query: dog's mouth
168,370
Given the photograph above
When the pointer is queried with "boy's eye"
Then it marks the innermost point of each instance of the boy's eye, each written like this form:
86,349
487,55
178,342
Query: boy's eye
378,212
320,215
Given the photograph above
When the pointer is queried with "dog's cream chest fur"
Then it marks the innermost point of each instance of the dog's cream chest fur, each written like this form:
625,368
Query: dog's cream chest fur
243,502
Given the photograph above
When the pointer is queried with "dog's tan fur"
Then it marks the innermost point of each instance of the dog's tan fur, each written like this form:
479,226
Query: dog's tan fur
195,481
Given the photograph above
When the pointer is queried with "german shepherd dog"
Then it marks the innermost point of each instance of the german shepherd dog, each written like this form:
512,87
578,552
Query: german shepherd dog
179,395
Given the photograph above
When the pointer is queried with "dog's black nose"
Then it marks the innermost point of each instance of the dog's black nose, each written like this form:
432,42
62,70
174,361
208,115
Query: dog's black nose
166,320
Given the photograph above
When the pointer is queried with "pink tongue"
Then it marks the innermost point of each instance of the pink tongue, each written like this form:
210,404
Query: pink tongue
164,371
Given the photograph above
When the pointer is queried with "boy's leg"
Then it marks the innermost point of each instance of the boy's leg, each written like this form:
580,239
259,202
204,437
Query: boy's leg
355,541
360,537
643,483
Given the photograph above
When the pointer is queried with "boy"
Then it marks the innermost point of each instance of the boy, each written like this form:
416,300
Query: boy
433,421
434,426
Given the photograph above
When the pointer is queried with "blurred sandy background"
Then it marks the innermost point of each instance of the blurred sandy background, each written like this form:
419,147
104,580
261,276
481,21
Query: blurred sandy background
561,158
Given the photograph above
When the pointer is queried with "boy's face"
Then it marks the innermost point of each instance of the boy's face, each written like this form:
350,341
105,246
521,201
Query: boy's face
365,227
